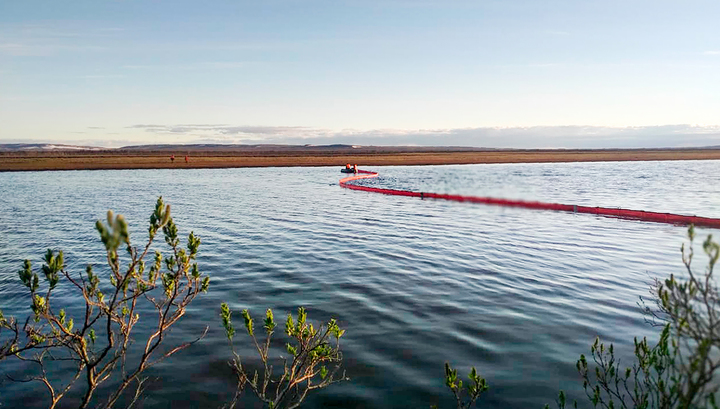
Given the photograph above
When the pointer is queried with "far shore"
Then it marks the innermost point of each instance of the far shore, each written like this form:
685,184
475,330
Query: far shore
64,160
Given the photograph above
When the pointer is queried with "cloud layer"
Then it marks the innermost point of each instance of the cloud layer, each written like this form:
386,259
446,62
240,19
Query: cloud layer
512,137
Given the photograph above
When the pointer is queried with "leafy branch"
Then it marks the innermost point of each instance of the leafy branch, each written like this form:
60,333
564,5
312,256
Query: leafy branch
97,342
311,350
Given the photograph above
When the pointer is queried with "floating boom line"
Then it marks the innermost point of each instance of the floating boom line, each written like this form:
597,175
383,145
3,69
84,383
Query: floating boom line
656,217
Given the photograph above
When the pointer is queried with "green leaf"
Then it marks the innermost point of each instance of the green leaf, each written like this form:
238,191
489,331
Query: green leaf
323,373
269,321
225,314
249,326
290,326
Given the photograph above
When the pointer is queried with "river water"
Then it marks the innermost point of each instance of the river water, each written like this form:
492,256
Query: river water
518,293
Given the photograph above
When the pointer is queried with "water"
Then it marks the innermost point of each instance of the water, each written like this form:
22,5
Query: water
518,293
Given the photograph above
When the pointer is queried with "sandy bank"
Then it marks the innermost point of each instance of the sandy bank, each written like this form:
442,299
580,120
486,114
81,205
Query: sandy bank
73,161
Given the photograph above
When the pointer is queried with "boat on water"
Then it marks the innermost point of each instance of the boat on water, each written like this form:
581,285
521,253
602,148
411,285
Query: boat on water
349,169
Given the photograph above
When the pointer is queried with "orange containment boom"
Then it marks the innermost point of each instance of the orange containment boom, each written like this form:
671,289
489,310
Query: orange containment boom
602,211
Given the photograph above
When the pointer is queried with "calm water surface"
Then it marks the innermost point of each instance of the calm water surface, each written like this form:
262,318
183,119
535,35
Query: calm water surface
517,293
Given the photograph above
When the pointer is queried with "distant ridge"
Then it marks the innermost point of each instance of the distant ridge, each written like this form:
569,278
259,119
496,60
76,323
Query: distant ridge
227,149
52,149
233,147
5,147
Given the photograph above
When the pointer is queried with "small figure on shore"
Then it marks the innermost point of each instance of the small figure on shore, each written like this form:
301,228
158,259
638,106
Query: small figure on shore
172,158
186,159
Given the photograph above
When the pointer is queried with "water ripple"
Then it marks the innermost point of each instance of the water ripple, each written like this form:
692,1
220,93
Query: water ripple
516,292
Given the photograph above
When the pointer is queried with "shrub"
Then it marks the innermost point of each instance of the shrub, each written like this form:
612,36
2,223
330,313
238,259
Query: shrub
474,388
310,351
678,371
97,342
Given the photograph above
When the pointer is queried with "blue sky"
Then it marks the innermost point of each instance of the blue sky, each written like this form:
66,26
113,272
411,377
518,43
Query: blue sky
510,73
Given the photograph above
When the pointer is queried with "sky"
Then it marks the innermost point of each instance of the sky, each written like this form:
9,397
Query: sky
486,73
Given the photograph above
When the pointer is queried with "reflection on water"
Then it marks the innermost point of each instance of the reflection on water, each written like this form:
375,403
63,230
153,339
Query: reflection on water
517,293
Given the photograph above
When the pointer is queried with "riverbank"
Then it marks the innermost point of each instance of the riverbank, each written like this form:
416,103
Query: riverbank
37,161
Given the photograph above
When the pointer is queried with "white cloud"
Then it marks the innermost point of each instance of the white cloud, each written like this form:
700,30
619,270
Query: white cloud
101,76
557,32
488,137
32,40
35,49
211,65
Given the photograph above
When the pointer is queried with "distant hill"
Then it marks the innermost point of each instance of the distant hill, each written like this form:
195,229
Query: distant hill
7,147
52,150
269,148
228,147
35,149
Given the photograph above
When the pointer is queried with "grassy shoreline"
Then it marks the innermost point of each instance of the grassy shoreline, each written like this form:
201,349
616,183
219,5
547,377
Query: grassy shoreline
39,161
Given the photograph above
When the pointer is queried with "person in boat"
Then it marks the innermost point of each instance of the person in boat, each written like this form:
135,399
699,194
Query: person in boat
347,166
355,168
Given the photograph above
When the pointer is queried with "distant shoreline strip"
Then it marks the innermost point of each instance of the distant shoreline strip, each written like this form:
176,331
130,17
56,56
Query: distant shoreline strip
655,217
42,161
